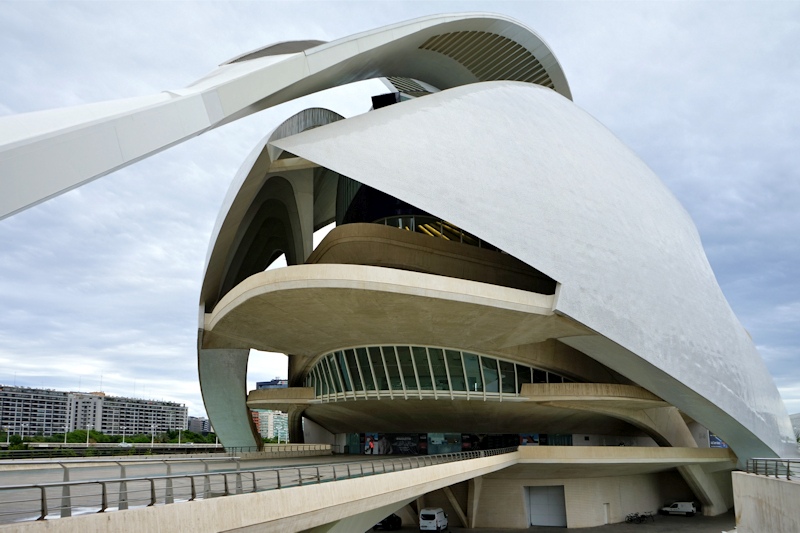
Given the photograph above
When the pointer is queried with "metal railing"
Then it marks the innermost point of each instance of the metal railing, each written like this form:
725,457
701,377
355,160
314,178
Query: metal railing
780,468
279,448
38,501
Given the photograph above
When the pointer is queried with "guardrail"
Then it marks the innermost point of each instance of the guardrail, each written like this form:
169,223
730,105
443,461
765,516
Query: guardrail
279,448
38,501
779,468
109,451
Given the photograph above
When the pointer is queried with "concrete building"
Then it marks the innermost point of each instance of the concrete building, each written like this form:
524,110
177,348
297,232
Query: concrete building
27,411
199,425
30,411
114,415
273,425
502,270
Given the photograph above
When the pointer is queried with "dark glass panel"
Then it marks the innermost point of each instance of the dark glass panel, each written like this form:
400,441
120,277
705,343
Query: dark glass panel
421,360
507,374
407,367
490,374
350,355
472,366
456,370
391,367
439,371
377,364
363,359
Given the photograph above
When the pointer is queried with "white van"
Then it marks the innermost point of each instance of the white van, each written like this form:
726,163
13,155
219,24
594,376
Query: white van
684,508
433,519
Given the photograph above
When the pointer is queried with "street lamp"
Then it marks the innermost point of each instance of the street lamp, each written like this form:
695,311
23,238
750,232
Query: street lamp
65,433
179,436
8,436
88,427
123,433
152,435
24,425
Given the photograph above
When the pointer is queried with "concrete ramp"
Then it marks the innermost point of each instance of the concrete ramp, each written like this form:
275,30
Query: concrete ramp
342,506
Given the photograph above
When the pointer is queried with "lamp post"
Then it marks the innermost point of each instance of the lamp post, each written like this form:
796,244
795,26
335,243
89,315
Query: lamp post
65,433
123,428
88,427
24,425
152,435
8,436
179,436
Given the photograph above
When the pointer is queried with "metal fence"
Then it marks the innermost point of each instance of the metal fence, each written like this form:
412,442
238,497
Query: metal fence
64,499
780,468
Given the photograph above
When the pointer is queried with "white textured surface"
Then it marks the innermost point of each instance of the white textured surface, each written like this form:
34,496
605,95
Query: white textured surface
535,175
47,153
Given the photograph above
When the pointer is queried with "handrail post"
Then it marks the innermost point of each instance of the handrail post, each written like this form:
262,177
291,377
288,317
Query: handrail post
278,474
255,484
194,489
299,477
104,498
225,484
44,504
318,478
66,499
152,492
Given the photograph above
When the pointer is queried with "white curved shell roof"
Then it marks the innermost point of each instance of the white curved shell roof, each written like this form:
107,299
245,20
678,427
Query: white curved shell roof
538,177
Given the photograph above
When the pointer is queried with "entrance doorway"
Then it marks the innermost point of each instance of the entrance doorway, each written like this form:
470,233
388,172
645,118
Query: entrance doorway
547,506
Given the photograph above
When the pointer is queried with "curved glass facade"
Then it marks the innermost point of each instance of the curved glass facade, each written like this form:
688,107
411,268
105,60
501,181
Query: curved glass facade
419,372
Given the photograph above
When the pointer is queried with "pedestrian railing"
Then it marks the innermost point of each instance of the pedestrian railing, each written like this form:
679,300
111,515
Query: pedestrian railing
780,468
43,501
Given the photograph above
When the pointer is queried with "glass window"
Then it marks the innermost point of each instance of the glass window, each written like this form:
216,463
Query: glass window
439,371
554,378
335,376
490,374
456,370
539,376
392,368
421,360
323,373
350,356
507,373
471,365
339,357
523,376
407,367
363,360
377,364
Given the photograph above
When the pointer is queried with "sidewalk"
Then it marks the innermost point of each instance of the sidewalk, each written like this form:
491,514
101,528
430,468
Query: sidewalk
662,524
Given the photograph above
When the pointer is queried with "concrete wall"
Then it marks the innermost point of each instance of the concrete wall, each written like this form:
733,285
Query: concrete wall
765,503
503,502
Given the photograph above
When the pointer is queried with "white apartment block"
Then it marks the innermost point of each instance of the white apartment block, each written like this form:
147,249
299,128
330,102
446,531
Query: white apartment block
274,424
27,411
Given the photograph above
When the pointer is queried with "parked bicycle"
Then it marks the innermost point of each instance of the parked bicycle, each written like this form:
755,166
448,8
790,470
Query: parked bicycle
640,518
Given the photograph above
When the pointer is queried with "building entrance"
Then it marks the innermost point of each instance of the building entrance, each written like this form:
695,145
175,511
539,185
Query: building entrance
547,506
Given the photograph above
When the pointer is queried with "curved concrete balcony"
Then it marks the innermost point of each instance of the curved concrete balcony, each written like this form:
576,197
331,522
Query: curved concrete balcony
313,309
623,410
406,249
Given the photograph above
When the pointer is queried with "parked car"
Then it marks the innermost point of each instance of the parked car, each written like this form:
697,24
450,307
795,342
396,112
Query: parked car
684,508
433,519
390,523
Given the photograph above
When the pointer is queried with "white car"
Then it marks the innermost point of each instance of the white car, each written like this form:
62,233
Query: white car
684,508
433,519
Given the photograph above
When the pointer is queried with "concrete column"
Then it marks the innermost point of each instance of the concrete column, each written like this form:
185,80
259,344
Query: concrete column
223,382
295,423
474,487
456,507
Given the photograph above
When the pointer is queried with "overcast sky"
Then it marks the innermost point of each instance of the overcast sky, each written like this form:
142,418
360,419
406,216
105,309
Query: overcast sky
99,287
